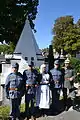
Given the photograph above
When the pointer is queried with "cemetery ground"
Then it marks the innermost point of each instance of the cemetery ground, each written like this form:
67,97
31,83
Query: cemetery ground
51,114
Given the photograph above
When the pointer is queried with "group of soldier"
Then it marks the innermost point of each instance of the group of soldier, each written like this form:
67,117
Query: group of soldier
38,86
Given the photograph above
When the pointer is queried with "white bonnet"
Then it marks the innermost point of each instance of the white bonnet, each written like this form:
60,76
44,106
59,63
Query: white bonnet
41,67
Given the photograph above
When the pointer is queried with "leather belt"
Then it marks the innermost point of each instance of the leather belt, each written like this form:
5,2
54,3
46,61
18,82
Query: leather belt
13,89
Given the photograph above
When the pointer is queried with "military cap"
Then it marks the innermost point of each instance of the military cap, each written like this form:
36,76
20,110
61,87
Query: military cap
67,61
56,62
15,65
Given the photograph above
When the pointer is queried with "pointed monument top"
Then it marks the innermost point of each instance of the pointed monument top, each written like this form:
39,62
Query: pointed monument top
27,45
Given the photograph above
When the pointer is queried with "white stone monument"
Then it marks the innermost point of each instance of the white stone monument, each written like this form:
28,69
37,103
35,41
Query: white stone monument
28,47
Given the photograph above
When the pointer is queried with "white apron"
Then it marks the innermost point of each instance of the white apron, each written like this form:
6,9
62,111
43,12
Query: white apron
44,93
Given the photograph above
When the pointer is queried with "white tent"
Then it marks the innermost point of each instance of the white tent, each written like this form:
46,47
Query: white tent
27,45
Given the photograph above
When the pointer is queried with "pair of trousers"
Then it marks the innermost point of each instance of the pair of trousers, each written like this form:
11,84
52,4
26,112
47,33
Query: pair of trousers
14,108
65,96
29,98
55,97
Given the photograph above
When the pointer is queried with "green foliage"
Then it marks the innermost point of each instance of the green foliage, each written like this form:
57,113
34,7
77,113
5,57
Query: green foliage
4,111
66,35
45,51
22,108
38,69
76,65
7,49
13,14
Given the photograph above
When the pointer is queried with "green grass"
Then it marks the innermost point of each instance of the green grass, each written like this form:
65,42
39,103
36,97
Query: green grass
4,111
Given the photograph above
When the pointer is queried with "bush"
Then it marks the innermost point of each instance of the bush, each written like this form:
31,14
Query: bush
38,69
76,65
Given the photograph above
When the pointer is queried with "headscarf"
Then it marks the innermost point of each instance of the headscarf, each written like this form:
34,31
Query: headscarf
41,68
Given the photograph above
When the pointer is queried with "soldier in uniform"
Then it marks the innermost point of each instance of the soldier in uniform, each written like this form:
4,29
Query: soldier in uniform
30,76
13,86
68,81
56,84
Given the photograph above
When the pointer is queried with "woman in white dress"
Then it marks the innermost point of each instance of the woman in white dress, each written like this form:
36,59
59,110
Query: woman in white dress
44,91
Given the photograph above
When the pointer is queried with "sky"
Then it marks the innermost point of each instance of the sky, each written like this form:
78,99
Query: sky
48,12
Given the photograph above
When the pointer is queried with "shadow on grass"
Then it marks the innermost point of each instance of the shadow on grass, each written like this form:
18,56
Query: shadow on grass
50,112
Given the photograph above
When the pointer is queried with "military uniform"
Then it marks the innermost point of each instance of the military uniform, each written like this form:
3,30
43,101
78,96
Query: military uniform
56,84
13,87
68,74
68,81
30,77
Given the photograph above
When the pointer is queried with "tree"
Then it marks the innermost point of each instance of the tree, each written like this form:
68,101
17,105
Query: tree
7,49
45,52
76,65
13,14
66,35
